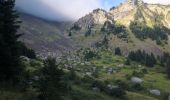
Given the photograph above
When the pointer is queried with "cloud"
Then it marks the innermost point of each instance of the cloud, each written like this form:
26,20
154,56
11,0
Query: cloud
62,10
58,9
165,2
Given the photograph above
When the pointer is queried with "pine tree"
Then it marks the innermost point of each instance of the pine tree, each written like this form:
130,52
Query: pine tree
118,51
9,46
51,85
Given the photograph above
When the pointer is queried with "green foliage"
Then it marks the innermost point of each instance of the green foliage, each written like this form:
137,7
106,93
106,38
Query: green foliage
122,84
143,58
89,54
50,84
10,68
137,87
115,91
116,29
159,32
138,74
70,34
24,51
88,32
118,51
168,68
128,62
104,44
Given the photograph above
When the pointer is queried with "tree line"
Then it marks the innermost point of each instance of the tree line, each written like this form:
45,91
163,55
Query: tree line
150,60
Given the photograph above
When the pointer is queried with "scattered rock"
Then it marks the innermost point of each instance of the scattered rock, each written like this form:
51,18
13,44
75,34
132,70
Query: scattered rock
136,80
87,63
121,65
88,73
139,66
104,67
94,69
25,58
111,86
168,97
155,92
110,70
82,64
36,78
96,89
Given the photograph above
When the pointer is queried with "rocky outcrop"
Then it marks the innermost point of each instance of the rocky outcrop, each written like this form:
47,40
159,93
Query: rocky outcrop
97,17
125,13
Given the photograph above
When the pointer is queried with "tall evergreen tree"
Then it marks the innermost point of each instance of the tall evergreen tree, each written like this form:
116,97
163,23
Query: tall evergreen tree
51,85
9,46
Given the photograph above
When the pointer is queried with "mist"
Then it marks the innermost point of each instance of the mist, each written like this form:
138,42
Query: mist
68,10
58,10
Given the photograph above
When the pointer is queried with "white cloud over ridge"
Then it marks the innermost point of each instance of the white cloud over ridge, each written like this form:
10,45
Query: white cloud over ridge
67,9
58,9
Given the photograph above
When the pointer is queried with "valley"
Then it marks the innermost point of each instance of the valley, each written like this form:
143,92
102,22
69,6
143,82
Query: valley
120,54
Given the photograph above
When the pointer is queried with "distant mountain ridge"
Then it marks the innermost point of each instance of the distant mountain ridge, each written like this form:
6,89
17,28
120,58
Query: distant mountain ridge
149,15
125,13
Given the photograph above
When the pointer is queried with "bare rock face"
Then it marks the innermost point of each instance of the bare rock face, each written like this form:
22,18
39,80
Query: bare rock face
97,17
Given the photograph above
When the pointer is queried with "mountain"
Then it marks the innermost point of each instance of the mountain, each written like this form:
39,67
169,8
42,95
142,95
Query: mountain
126,12
45,37
147,26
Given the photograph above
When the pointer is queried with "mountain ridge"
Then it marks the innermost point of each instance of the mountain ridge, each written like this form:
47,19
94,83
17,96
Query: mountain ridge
151,15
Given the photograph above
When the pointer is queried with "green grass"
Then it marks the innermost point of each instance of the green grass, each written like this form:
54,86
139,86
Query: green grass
157,80
137,96
80,93
16,95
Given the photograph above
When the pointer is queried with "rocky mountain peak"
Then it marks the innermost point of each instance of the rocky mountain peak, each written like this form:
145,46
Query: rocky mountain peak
96,17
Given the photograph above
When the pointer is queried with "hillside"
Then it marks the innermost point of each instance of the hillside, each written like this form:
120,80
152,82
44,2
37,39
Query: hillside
125,13
148,16
122,54
45,37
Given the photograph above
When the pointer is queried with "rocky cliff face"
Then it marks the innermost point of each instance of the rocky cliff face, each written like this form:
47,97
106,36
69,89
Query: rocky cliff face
125,13
151,13
97,17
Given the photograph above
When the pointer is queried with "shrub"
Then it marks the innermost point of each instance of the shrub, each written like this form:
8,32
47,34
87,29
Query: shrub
118,51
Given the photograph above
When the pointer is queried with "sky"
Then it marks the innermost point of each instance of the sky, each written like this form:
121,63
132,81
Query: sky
62,10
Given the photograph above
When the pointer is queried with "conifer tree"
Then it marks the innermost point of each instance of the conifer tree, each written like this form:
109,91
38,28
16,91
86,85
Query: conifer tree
118,51
51,85
9,46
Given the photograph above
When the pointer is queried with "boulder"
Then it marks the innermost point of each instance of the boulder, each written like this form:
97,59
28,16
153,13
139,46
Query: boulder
136,80
82,64
88,73
111,86
121,65
96,89
110,70
155,92
168,97
36,78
